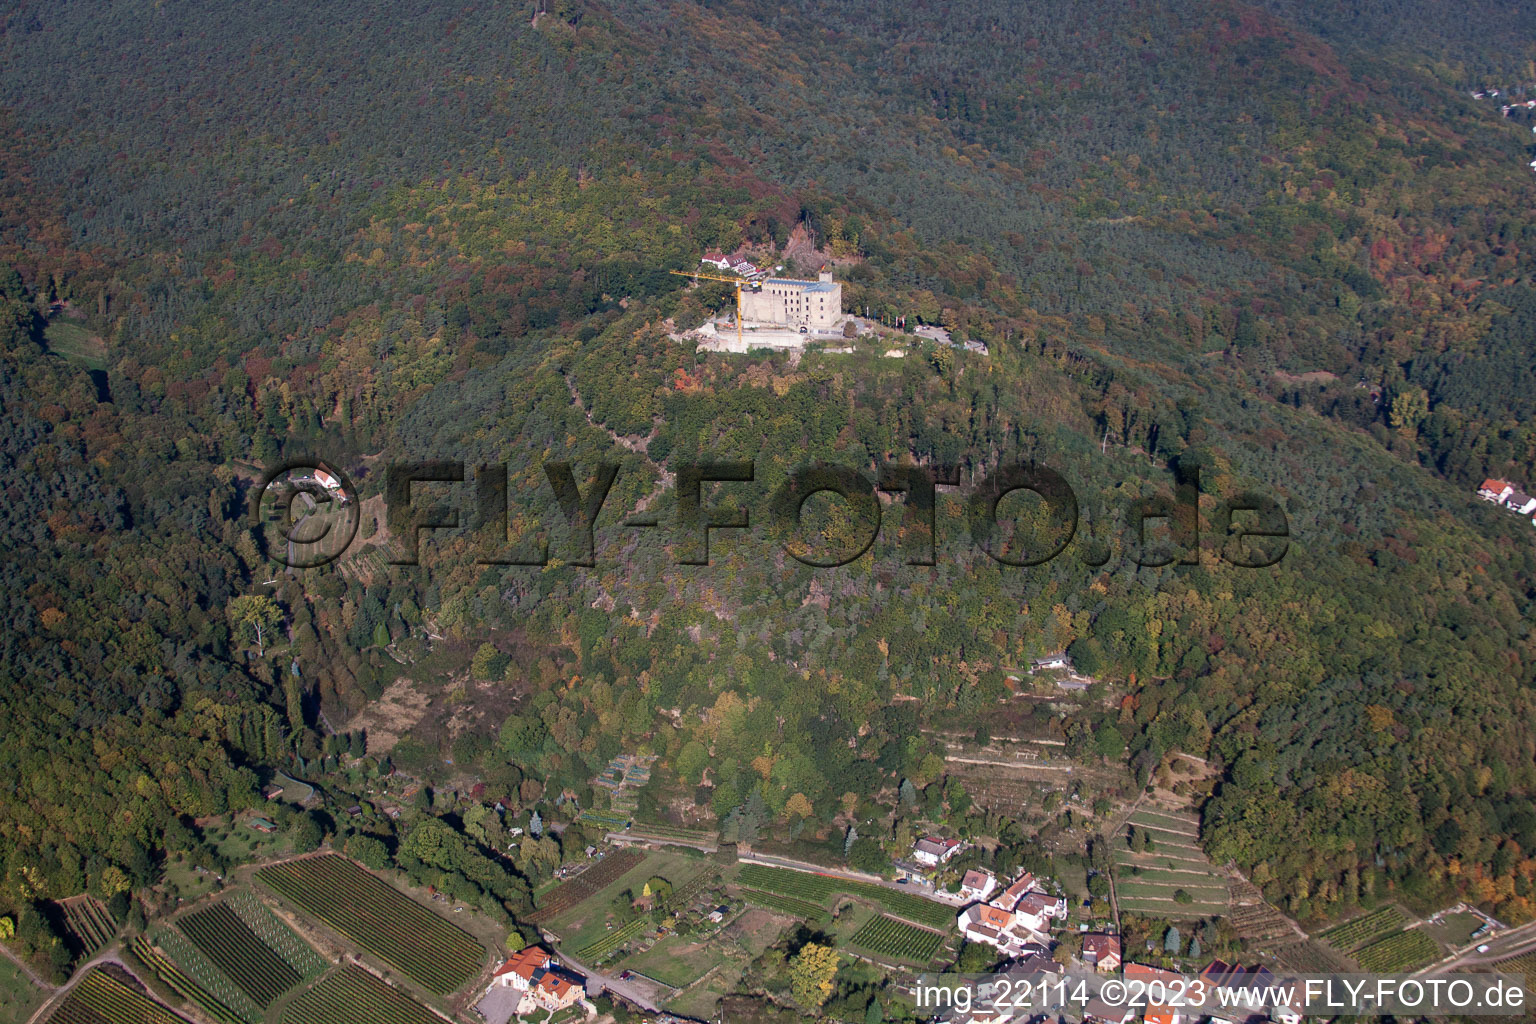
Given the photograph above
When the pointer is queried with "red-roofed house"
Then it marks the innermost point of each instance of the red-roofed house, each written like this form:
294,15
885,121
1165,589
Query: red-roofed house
1495,490
520,967
1009,897
719,260
1001,929
1146,973
1162,1015
933,851
555,991
1102,951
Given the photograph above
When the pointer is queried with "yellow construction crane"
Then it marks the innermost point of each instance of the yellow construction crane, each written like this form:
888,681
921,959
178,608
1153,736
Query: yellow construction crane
738,282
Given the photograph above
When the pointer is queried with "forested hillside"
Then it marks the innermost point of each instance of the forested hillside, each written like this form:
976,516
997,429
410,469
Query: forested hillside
1278,242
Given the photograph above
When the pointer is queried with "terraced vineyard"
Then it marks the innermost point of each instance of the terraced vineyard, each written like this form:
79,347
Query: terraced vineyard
181,984
1255,919
1174,862
99,998
566,895
234,949
595,952
1362,931
786,904
822,889
380,919
1405,951
896,940
353,996
88,919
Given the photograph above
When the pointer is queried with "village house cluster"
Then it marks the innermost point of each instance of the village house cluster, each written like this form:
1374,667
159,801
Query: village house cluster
527,982
1502,492
1016,921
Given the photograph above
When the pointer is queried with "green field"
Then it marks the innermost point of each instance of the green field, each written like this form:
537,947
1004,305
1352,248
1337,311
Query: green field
686,835
1455,930
187,969
89,921
378,917
585,923
896,940
597,951
566,895
824,889
1187,828
18,996
353,996
1405,951
297,953
75,343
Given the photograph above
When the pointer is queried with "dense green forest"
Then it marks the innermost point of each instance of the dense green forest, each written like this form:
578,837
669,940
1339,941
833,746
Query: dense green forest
1279,242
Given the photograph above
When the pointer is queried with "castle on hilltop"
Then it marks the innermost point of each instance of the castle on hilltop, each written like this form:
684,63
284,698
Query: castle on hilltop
782,300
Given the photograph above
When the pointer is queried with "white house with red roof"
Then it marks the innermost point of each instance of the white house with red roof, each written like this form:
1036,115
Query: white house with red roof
1001,929
931,851
519,969
543,983
554,991
1495,490
718,260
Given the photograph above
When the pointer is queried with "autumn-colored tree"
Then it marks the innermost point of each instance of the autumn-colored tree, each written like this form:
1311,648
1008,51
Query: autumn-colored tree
810,973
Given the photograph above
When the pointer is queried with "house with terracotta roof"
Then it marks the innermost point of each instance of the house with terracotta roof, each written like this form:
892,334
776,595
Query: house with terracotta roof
1495,490
519,969
555,990
1145,972
543,983
1001,929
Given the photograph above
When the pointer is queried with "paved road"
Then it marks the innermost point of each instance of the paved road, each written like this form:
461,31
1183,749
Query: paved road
1508,943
